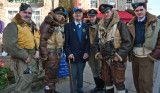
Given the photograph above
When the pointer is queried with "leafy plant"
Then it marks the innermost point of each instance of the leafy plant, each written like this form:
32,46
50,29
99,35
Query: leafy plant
6,76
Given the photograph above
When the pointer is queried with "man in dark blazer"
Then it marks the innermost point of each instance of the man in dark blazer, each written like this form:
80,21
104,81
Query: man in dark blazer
77,47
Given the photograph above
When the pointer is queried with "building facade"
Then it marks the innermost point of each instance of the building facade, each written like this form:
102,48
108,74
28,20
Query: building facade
9,8
120,5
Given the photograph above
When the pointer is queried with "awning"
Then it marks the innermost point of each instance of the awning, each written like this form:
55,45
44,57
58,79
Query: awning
124,16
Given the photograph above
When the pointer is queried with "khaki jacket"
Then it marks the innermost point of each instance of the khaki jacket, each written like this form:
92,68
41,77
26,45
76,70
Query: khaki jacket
152,28
15,42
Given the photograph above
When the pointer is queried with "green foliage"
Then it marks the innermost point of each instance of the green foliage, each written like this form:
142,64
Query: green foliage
6,77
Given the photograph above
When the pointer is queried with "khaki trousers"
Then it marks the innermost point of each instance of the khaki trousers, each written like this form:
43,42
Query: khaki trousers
94,64
26,83
143,74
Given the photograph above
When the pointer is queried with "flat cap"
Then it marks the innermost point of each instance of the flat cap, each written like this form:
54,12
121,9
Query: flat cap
59,10
92,12
105,7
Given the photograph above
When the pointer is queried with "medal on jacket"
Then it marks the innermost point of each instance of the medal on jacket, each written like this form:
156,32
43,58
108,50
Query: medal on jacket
84,30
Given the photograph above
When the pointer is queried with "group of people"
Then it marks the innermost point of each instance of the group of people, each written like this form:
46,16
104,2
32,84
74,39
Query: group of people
105,43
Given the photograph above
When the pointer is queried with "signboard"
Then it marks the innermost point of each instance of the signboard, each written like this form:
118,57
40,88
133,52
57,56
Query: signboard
63,69
22,0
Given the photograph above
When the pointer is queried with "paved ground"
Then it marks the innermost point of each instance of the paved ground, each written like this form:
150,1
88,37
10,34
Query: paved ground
63,85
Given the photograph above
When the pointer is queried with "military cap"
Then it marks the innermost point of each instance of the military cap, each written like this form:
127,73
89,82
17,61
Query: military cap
59,10
24,6
105,7
92,12
77,9
135,5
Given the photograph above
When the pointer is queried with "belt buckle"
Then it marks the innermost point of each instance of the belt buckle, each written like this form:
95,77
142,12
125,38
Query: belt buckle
140,45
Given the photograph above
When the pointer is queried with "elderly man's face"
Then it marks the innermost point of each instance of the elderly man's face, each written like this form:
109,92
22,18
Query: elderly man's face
92,19
59,16
27,14
140,12
107,14
78,15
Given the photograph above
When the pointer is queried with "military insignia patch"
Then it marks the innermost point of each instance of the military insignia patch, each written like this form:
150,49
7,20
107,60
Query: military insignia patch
92,11
60,9
102,7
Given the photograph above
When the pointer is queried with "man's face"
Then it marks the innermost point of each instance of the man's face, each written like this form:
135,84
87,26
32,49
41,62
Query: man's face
27,14
140,12
78,15
59,16
92,19
107,14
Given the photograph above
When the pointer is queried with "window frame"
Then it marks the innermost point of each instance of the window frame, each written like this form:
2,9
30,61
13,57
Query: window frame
129,4
91,4
116,1
17,9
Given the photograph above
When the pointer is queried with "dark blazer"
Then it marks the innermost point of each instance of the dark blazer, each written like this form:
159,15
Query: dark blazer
72,44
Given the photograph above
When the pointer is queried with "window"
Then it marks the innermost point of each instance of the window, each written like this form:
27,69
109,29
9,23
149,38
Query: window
93,3
128,4
36,15
113,2
11,14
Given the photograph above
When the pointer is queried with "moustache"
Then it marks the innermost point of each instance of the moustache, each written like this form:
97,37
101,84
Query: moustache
27,17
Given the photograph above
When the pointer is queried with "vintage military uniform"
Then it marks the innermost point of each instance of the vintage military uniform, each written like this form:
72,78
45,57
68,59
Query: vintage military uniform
21,40
145,49
51,43
94,63
113,39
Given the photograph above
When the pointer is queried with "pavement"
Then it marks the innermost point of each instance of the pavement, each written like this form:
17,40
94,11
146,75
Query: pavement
63,85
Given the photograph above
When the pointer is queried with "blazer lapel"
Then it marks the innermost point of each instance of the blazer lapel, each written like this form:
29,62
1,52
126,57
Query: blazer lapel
83,32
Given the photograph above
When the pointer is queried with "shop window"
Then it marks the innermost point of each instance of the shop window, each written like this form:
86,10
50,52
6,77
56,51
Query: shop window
93,3
128,4
113,2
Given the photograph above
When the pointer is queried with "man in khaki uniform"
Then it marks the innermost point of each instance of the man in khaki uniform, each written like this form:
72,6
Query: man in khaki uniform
21,41
92,22
51,44
145,29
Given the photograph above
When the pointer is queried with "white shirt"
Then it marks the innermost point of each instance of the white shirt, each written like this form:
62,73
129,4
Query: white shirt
76,23
142,19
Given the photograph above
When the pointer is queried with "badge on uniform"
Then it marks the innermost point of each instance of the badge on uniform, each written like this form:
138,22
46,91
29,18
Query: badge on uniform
84,30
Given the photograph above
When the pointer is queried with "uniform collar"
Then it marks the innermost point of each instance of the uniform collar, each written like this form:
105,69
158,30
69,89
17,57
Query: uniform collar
76,23
143,19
